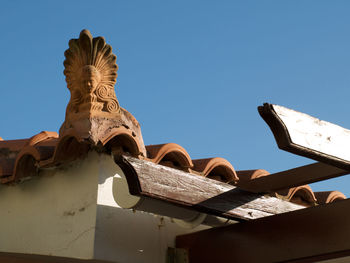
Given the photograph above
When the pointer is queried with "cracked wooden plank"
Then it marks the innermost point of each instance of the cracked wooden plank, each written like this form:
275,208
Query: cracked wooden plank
199,193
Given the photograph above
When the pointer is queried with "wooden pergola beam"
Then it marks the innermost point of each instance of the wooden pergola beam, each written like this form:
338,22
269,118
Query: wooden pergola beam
308,136
173,186
307,235
294,177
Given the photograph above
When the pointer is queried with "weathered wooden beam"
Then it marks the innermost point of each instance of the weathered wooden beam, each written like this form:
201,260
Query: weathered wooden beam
307,235
174,186
294,177
307,136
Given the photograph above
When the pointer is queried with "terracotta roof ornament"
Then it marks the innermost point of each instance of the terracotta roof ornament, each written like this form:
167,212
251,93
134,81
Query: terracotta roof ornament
93,111
95,121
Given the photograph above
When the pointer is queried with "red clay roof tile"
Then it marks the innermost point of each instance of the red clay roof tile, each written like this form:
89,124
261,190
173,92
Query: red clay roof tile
216,168
329,197
42,136
169,154
7,166
301,195
245,176
12,146
123,139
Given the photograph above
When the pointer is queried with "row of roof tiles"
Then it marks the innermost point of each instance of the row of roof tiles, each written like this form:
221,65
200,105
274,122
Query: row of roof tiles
22,158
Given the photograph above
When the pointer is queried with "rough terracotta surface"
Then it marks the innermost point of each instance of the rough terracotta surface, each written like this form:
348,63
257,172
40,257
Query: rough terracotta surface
329,197
302,195
93,112
170,154
245,176
216,168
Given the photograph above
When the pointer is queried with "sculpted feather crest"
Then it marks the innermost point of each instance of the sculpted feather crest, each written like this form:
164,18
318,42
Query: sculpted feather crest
91,73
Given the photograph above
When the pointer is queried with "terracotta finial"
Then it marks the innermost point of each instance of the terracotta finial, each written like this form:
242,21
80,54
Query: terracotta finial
93,110
91,72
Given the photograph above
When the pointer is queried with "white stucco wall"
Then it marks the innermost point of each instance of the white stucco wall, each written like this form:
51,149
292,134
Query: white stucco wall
71,212
52,214
124,235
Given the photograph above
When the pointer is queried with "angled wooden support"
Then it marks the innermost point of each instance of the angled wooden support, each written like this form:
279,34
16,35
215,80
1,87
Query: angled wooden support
150,180
307,136
307,235
294,177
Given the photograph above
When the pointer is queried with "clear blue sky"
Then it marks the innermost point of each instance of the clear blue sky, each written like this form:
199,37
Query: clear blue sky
191,72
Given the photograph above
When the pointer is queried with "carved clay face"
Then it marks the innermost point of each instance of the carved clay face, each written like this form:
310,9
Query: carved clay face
90,78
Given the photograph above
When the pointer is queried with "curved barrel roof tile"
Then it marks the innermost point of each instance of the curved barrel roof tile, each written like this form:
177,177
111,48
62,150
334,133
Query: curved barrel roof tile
20,159
301,195
216,168
122,139
169,154
42,136
329,197
245,176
